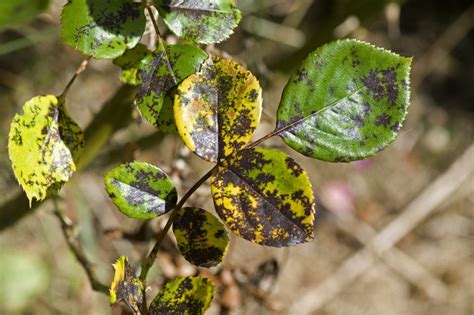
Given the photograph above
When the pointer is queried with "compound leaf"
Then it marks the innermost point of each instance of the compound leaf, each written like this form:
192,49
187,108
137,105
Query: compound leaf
200,236
218,109
204,22
103,29
140,190
126,287
17,12
265,197
184,296
158,75
44,144
346,102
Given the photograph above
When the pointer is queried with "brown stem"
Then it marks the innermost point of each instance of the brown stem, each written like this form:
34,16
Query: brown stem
264,138
152,18
71,236
150,259
79,70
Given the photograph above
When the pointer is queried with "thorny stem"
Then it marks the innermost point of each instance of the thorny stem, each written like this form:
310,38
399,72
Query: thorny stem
150,259
79,70
71,236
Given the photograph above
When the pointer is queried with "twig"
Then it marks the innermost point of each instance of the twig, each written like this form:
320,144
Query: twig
430,199
79,70
150,259
274,31
71,236
153,20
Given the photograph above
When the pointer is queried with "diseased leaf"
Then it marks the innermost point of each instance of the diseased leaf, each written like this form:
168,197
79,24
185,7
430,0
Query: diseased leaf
265,197
218,109
140,190
203,22
130,61
200,236
126,287
184,296
346,102
103,29
17,12
44,144
158,75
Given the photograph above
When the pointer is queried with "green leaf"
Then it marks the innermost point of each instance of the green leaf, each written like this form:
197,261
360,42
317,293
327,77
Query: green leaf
184,296
203,22
129,62
16,12
218,109
140,190
103,29
159,73
346,102
44,144
126,287
200,236
265,197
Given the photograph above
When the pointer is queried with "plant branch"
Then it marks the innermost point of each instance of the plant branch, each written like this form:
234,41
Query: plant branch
71,236
264,138
150,259
153,20
79,70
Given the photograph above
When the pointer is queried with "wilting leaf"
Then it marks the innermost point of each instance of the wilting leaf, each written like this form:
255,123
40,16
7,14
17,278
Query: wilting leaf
130,61
44,144
158,75
140,190
126,287
265,197
184,296
103,29
17,12
346,102
218,109
200,236
203,22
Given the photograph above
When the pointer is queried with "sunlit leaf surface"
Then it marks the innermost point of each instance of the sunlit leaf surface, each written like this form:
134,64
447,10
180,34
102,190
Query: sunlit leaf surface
44,144
140,190
265,197
346,102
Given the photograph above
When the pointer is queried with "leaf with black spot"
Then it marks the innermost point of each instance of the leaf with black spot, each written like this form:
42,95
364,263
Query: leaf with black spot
126,287
158,74
140,190
17,12
218,109
184,296
103,29
44,145
204,22
346,102
201,238
130,62
265,197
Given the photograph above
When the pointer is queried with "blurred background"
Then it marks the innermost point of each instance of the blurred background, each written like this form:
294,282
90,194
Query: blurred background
395,233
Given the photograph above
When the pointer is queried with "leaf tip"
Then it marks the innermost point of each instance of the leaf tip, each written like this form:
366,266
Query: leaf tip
119,276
